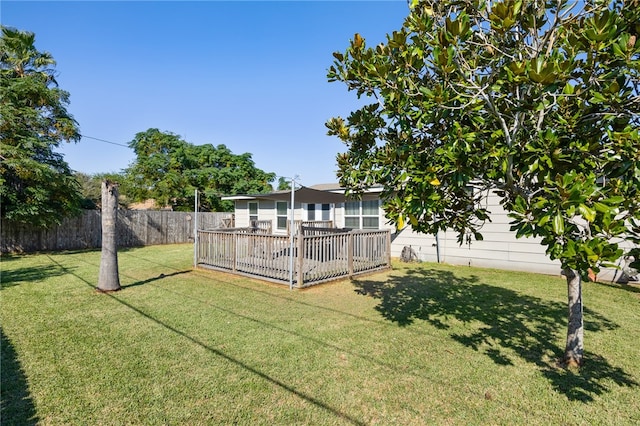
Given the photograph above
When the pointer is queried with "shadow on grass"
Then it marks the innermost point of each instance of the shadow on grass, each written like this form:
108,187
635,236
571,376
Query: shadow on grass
17,276
16,407
633,288
152,279
217,352
13,277
502,323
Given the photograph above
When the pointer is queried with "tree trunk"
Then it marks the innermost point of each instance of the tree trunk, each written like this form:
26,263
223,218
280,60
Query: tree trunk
574,350
109,278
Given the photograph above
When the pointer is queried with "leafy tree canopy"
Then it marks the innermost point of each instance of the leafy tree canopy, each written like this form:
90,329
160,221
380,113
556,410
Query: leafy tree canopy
36,184
283,184
91,189
536,100
169,170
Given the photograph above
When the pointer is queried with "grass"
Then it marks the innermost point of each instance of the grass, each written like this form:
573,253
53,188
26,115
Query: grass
422,344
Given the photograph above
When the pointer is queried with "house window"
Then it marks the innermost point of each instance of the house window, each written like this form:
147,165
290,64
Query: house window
370,217
318,211
361,215
326,212
253,211
281,214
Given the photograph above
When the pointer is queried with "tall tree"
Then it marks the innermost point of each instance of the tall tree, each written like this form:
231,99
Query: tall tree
169,170
91,189
536,100
36,184
109,274
283,184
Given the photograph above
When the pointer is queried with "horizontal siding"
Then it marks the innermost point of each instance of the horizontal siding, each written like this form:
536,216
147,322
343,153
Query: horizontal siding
504,252
499,248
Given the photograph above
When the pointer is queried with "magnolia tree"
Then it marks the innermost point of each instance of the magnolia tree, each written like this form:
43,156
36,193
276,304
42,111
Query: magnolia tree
537,101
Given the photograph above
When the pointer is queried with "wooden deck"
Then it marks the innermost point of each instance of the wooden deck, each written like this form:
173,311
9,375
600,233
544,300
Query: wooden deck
318,256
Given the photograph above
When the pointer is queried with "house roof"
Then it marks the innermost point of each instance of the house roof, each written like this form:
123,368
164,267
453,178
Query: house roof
330,193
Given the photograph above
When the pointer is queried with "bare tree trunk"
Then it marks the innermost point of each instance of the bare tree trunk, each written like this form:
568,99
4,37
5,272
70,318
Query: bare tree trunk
109,278
574,350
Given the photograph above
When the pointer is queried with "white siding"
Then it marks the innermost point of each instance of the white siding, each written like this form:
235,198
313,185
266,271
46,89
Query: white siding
500,249
266,211
242,214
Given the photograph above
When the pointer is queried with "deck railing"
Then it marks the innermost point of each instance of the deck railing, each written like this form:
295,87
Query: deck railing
310,224
316,258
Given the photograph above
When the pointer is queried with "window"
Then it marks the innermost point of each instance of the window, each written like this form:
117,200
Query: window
281,214
326,212
361,215
370,214
253,211
318,212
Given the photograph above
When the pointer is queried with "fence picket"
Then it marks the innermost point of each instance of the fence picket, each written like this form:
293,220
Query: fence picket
135,228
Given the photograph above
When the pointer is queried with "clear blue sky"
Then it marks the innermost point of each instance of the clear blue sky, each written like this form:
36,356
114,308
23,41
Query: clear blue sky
249,75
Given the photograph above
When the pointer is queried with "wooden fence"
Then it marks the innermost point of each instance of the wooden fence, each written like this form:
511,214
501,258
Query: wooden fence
316,258
135,228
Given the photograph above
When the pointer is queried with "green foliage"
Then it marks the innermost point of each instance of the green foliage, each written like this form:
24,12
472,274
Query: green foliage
538,101
169,170
91,189
36,184
283,184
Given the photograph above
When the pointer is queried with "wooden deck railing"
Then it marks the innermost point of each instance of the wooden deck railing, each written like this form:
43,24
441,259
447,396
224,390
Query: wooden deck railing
262,227
316,258
310,224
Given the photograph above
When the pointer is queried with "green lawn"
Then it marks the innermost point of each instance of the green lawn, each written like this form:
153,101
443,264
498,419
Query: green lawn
422,344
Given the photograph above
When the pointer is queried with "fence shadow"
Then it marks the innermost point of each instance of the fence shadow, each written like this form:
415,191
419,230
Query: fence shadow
16,406
511,324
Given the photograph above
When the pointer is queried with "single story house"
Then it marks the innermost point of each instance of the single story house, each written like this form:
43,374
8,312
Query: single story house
499,249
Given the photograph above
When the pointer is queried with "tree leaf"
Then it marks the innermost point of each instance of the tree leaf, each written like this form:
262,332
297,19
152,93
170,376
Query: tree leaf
558,223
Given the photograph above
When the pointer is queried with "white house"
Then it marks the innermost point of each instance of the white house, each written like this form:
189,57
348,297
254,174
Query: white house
500,248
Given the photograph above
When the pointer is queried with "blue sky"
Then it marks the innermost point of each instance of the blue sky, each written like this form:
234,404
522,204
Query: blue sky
249,75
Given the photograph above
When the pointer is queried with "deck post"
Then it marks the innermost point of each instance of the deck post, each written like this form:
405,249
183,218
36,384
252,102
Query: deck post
350,248
388,248
291,223
234,251
300,253
195,231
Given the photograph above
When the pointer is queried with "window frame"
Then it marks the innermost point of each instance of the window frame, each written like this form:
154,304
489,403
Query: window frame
255,216
280,216
358,213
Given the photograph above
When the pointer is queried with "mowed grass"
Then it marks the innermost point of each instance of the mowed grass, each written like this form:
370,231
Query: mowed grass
421,344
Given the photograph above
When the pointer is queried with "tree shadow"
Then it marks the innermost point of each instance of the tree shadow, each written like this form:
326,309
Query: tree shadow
633,288
502,323
16,407
152,279
13,277
217,352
